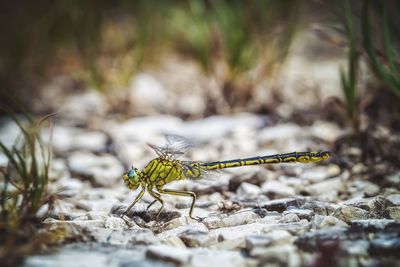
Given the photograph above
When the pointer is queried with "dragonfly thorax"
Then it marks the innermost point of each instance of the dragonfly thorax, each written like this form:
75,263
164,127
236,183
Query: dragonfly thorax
131,178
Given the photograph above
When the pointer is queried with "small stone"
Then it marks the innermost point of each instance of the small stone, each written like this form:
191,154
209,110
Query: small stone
168,254
97,215
276,189
374,224
290,217
350,213
394,212
232,220
330,221
394,179
176,223
174,241
393,200
282,204
229,244
103,170
318,207
294,228
248,189
301,213
272,238
237,232
325,187
313,241
206,257
277,255
363,188
320,173
254,178
115,223
196,238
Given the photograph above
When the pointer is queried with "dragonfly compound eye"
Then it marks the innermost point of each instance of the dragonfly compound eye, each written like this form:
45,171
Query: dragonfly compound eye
132,174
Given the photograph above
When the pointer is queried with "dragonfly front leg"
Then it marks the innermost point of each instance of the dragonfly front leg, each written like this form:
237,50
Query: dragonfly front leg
134,202
180,193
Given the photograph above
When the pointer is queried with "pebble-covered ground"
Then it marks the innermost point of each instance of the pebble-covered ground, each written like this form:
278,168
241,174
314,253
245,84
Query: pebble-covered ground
282,215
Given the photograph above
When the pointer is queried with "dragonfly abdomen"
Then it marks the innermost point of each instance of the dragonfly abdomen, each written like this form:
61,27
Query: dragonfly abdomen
301,157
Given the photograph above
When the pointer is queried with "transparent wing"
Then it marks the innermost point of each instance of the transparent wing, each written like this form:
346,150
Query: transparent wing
175,146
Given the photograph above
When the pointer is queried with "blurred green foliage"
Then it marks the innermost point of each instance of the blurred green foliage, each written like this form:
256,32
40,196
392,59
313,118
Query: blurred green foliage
104,42
23,191
373,35
349,79
380,24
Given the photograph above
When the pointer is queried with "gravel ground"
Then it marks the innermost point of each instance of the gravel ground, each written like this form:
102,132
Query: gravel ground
282,215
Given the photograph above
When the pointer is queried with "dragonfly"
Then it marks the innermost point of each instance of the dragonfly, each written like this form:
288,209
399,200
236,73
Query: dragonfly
167,168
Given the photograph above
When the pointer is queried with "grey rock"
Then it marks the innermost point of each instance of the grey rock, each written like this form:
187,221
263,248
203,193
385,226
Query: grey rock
276,189
173,241
237,232
239,218
375,224
320,173
385,246
350,213
168,254
199,130
393,179
254,178
393,212
148,94
289,217
248,189
102,170
313,241
178,231
324,187
127,237
284,255
83,107
282,204
294,228
356,247
65,139
301,213
372,204
115,223
363,188
318,207
196,238
229,244
272,238
330,221
393,200
205,257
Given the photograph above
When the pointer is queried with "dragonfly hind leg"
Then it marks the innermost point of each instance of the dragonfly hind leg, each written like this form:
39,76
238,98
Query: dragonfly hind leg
157,197
180,193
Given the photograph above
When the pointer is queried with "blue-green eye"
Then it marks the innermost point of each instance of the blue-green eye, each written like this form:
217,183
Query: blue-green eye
132,174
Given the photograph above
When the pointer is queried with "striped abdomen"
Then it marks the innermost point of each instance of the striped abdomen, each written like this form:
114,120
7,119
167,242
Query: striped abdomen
301,157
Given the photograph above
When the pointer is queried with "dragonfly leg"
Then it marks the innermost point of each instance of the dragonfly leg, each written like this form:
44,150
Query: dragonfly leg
134,202
180,193
157,196
151,204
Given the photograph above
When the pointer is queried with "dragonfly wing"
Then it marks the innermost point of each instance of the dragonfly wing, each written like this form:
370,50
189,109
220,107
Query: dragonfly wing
178,143
175,146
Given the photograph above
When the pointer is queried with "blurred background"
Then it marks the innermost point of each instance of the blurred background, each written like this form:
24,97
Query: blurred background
113,75
293,60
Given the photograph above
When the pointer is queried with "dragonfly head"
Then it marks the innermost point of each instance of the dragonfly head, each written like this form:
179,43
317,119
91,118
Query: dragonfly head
131,178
